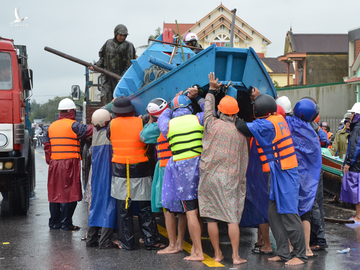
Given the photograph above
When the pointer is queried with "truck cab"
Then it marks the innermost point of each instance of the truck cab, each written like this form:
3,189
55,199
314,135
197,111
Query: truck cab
17,163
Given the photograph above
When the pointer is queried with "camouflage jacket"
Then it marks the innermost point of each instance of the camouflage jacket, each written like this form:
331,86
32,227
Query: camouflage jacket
115,56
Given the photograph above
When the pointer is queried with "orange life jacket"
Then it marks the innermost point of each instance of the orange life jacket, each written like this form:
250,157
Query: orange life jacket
282,147
163,150
63,140
125,140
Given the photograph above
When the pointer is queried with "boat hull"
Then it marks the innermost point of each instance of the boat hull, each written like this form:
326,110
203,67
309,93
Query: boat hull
332,174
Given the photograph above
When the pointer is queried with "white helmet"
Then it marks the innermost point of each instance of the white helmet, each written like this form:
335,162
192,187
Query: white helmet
66,104
156,107
355,108
100,117
284,102
190,37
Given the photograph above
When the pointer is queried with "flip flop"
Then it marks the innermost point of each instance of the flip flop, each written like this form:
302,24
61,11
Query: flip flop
112,245
258,251
156,247
74,228
318,247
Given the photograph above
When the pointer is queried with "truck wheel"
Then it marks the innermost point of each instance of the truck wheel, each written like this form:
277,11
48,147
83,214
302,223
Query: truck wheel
19,195
86,163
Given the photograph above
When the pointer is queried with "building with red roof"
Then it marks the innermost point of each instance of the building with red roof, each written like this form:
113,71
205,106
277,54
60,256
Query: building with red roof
215,28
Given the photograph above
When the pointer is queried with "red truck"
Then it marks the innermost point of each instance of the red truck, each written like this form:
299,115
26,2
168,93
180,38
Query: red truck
17,162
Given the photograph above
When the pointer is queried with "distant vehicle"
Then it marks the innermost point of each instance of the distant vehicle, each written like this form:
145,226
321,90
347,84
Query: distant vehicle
17,162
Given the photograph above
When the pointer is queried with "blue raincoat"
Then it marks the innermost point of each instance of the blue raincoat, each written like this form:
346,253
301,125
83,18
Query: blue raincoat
284,189
103,206
257,191
149,135
308,153
181,177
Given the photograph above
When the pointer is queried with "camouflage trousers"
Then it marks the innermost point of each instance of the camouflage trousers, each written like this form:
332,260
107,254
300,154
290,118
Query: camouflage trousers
107,89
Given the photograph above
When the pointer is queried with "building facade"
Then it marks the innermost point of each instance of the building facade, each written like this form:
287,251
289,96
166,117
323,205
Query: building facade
215,28
317,58
354,61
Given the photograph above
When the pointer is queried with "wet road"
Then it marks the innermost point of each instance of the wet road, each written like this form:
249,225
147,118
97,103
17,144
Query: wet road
27,243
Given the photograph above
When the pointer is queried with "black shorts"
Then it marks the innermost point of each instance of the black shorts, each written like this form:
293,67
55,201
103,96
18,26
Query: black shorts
190,205
306,216
168,210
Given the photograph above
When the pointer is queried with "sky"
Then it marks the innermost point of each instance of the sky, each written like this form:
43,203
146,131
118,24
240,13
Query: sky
80,28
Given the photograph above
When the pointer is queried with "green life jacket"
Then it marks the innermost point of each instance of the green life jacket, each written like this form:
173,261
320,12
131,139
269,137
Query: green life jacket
185,136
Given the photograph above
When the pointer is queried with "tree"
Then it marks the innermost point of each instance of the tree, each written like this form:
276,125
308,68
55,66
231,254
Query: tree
48,110
157,33
276,84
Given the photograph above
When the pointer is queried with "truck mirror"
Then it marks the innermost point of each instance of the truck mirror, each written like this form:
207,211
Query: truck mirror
27,79
75,92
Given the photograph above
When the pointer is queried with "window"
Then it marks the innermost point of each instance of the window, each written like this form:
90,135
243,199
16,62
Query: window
5,71
221,40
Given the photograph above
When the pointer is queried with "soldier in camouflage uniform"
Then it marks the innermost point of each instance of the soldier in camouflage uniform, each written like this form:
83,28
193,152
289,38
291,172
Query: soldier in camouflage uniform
115,56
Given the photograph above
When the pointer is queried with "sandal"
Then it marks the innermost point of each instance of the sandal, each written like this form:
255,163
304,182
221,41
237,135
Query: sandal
71,228
318,247
112,245
258,251
156,246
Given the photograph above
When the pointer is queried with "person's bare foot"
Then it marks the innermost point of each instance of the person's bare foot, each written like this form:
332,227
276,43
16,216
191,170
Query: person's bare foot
275,259
169,250
238,260
357,219
294,261
309,253
195,257
218,258
116,242
179,245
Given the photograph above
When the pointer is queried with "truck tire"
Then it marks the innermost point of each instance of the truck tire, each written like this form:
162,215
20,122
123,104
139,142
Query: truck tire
86,163
19,195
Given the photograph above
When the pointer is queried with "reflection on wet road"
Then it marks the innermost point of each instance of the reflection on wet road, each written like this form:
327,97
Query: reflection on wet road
27,243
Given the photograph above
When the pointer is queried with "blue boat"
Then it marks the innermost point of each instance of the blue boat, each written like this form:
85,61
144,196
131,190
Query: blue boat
239,69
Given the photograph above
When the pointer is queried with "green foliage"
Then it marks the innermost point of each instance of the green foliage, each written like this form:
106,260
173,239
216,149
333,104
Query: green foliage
48,110
276,84
157,33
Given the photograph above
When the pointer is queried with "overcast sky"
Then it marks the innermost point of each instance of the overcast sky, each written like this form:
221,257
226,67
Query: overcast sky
79,28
